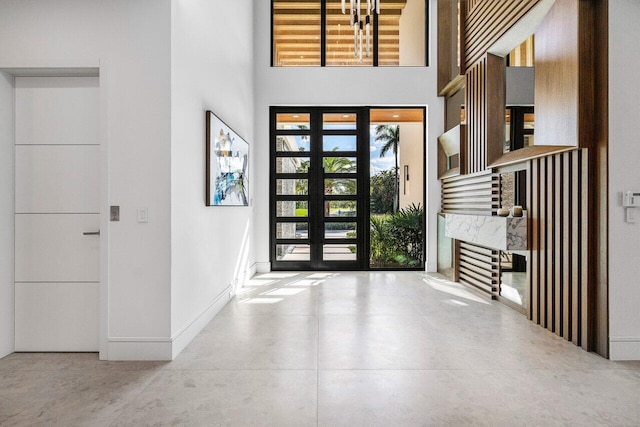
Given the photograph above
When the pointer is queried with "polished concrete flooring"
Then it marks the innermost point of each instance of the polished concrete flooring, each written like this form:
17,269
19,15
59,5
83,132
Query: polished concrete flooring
337,349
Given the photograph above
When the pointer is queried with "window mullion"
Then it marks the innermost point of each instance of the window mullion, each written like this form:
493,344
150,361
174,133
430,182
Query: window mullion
323,33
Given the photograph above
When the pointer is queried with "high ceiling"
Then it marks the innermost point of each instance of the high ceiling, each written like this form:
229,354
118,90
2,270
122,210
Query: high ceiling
297,33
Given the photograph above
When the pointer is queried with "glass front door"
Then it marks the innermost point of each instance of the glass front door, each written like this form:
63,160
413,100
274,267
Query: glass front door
317,188
347,188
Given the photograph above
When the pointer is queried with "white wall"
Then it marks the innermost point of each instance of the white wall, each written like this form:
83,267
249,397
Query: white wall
624,174
338,86
212,69
6,214
411,154
412,38
130,41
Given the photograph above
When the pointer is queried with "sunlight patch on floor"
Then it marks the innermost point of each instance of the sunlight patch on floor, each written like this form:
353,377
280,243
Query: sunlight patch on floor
452,288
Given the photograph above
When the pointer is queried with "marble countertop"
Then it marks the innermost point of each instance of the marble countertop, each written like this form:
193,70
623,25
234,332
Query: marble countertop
495,232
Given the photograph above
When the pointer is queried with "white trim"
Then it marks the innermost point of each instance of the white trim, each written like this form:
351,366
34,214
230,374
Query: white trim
263,267
184,336
624,348
252,271
166,348
141,349
103,296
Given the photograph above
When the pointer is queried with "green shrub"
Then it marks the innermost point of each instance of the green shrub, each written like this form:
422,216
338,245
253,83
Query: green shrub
398,239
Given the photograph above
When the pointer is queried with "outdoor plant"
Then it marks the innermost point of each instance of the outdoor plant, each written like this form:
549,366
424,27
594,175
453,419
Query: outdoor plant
398,238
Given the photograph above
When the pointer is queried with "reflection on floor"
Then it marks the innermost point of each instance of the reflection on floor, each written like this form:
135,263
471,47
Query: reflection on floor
514,287
337,349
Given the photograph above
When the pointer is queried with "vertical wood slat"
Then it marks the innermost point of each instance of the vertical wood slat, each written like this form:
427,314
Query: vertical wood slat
575,243
584,252
534,264
551,247
557,256
476,93
542,226
559,283
566,248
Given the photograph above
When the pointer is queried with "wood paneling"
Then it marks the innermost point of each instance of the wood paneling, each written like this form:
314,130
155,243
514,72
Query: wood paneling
567,179
450,77
476,194
487,21
474,159
496,94
559,279
556,77
478,267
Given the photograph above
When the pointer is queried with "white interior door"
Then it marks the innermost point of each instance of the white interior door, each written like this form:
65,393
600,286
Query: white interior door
57,213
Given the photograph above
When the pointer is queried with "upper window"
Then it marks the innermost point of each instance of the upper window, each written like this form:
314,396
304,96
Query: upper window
371,33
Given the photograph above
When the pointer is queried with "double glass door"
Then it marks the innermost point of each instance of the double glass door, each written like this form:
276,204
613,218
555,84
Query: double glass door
319,166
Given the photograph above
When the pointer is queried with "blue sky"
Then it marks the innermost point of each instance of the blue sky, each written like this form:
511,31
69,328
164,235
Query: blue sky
345,143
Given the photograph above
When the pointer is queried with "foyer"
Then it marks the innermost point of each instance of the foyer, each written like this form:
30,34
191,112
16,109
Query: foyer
337,349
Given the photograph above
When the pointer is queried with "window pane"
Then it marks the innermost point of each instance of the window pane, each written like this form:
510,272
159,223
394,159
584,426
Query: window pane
292,253
292,187
340,187
339,143
292,164
292,230
340,208
344,252
408,48
340,230
341,49
293,143
341,121
292,208
296,33
292,121
340,164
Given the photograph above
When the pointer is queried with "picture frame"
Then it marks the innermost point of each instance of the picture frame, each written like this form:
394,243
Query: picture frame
227,170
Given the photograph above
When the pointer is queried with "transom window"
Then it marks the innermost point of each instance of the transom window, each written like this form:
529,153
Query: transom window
318,33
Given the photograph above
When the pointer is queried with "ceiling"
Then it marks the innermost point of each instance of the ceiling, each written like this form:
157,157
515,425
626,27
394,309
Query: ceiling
297,33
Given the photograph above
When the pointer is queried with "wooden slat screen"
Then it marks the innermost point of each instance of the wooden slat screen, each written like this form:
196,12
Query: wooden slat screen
475,159
487,21
559,271
478,267
473,4
471,194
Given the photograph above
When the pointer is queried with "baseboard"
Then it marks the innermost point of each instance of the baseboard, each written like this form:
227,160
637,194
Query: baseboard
624,348
183,337
139,349
431,267
252,270
168,348
263,267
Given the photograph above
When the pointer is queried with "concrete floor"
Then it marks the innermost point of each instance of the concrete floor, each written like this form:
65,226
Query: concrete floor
337,349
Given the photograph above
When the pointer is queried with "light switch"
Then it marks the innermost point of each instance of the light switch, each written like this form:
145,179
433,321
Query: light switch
115,213
143,214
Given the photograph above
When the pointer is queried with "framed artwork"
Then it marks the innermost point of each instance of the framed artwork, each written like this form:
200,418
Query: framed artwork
227,165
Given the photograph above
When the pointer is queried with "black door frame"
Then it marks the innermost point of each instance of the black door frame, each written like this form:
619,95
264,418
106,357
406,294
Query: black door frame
316,204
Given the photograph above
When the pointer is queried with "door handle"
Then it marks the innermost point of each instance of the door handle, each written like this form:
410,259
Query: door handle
91,233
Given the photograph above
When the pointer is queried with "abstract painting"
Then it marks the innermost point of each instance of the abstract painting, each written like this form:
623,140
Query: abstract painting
227,165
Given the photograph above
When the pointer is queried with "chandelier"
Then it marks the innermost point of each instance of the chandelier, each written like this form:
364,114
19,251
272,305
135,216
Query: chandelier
360,26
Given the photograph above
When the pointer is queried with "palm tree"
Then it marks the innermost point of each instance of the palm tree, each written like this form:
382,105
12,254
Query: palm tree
390,136
333,165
